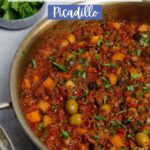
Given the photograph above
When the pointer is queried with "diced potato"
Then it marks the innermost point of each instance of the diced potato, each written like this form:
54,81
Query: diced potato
113,148
82,43
133,71
119,71
71,38
43,105
70,84
65,75
116,141
147,95
49,83
27,83
94,39
35,79
64,148
46,54
64,43
47,120
115,48
34,116
86,56
130,99
78,66
143,28
116,25
80,131
118,56
106,108
69,55
112,78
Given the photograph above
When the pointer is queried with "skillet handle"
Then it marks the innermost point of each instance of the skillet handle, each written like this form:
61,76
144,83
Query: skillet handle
5,105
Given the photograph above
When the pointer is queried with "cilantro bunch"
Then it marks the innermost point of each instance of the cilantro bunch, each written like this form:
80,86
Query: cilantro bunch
18,10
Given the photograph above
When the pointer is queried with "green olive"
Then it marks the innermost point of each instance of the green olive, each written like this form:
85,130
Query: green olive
142,139
76,119
71,106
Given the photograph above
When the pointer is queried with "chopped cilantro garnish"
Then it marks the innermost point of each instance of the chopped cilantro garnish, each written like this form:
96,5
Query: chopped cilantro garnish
138,52
148,121
79,73
106,83
110,64
64,134
100,42
144,40
52,58
105,99
107,33
125,148
40,126
146,87
135,76
131,87
34,64
96,137
84,75
60,67
81,51
117,124
73,97
99,118
129,135
130,52
85,63
146,132
75,53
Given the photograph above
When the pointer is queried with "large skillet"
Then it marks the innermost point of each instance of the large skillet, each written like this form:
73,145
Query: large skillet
138,12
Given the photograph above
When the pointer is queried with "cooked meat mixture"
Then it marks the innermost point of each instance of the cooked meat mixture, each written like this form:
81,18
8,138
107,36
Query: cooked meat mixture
90,89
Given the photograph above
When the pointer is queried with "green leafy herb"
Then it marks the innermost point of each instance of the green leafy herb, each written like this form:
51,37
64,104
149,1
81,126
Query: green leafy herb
97,125
148,121
146,87
96,137
130,52
54,107
60,67
74,53
96,54
64,134
99,118
144,40
73,97
81,51
100,42
135,76
125,148
129,135
40,126
138,52
117,124
85,63
146,132
84,75
34,64
52,58
80,73
110,64
105,99
106,83
18,10
131,87
107,33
